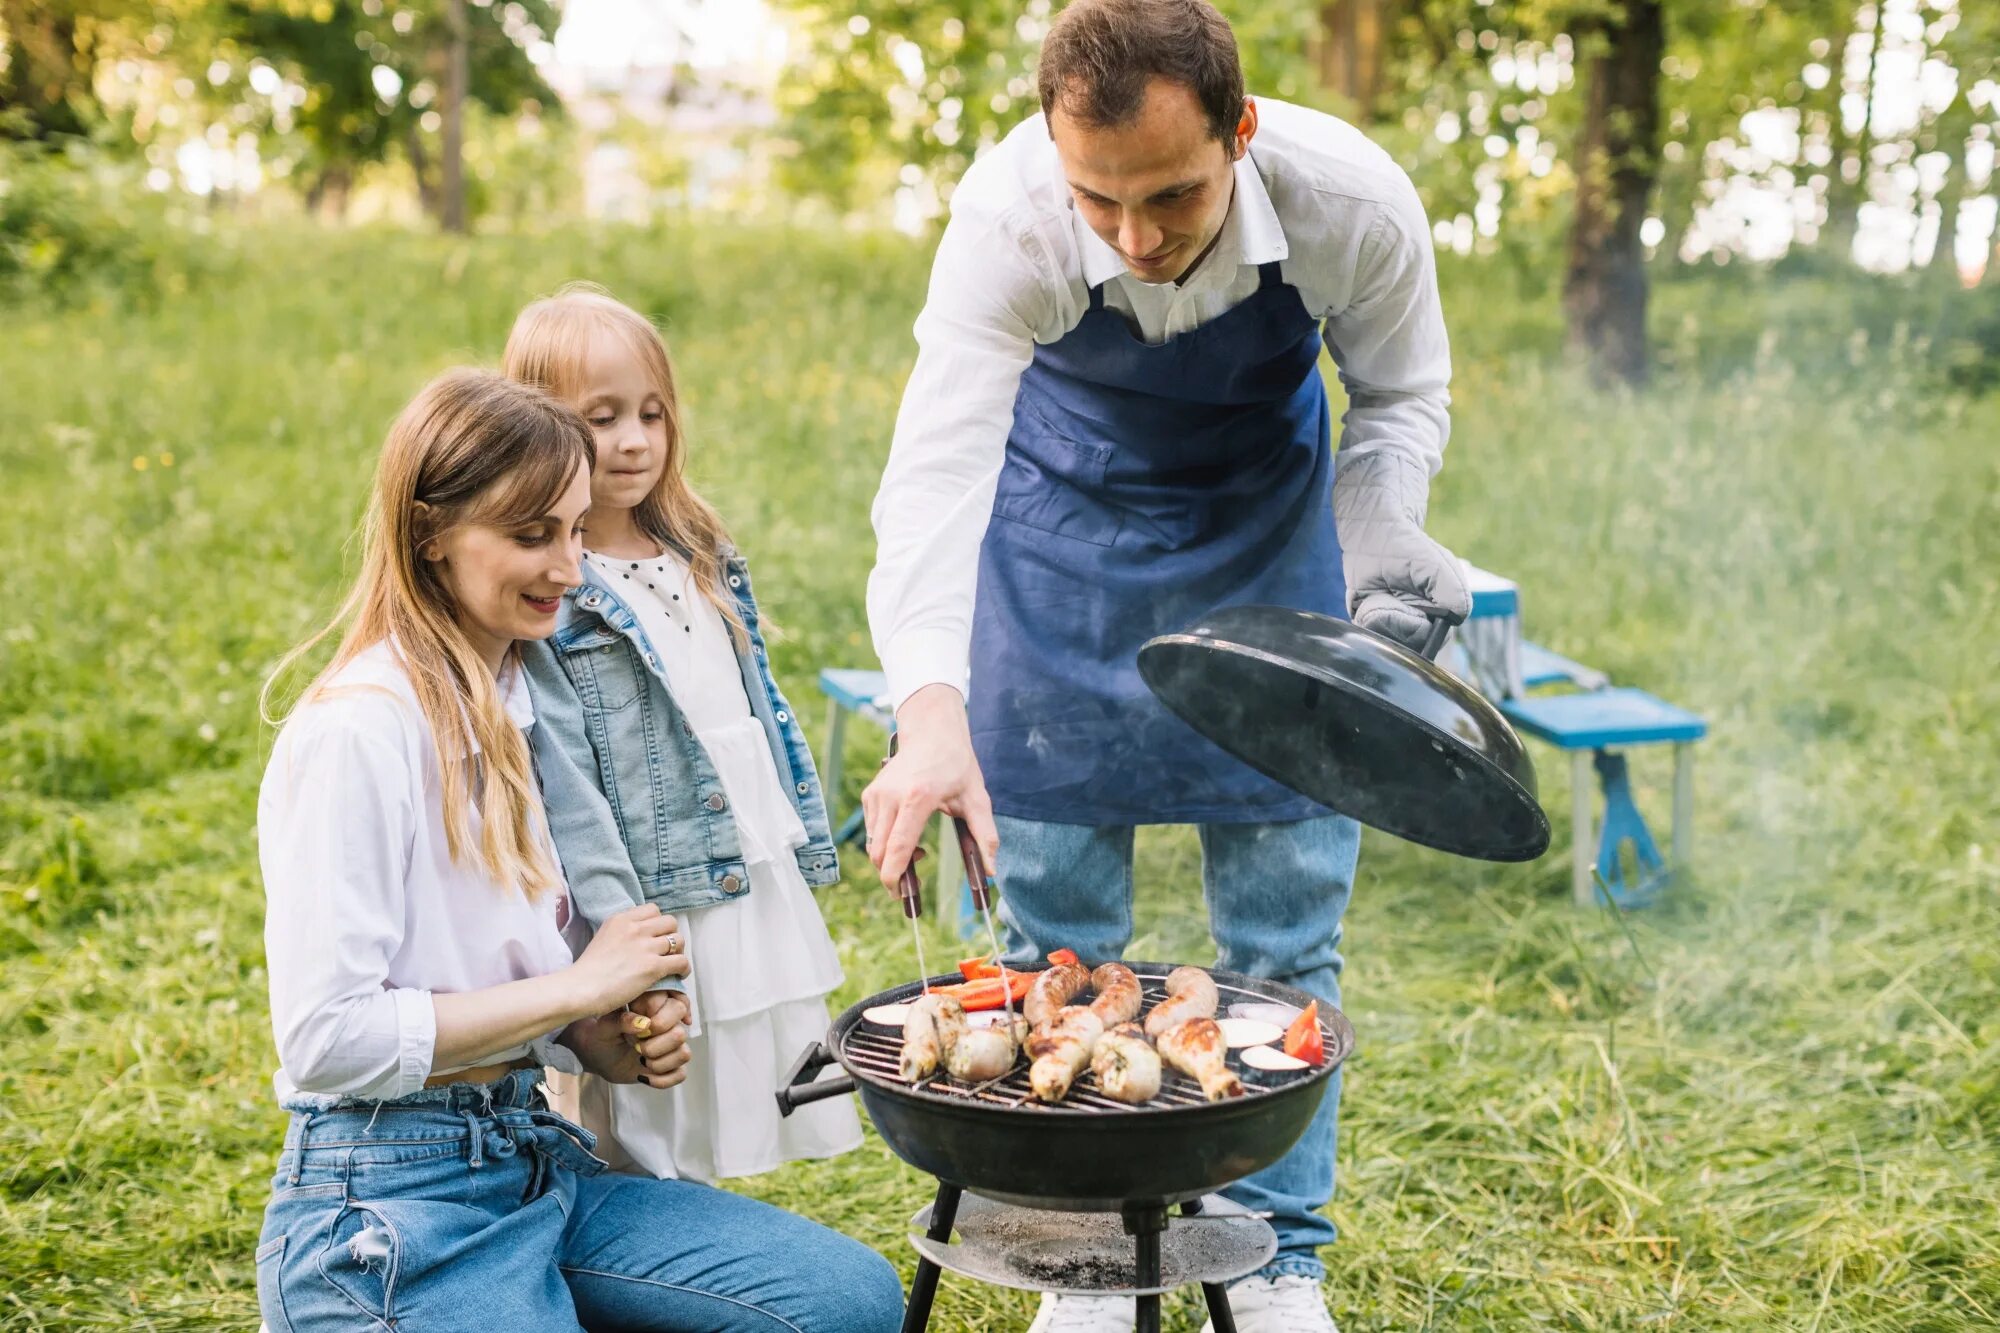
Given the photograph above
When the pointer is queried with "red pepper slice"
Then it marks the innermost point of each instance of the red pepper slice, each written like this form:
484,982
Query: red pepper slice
1061,956
1302,1038
973,969
989,992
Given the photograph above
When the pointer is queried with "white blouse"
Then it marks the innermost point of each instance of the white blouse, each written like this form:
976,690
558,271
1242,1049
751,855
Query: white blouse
366,912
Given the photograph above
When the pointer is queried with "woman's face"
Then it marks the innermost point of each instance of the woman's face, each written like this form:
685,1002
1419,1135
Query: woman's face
506,583
629,417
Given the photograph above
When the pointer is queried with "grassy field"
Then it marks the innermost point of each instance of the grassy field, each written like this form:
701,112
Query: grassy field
1769,1103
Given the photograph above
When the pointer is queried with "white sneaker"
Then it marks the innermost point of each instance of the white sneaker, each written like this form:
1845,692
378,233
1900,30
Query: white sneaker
1085,1314
1285,1304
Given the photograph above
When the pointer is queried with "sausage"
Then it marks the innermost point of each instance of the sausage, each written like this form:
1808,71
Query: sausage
1126,1065
1190,994
930,1030
1196,1048
982,1054
1052,990
1062,1051
1118,994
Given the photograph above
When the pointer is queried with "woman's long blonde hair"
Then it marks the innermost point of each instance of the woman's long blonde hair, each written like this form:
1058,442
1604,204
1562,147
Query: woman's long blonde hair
549,348
472,447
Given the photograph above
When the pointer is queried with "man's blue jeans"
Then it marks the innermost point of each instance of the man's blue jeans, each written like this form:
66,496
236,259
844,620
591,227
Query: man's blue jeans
471,1209
1275,893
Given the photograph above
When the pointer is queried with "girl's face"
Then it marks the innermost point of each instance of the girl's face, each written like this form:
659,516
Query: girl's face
506,583
629,417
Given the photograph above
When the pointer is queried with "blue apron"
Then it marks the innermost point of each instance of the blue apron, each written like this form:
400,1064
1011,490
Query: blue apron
1143,487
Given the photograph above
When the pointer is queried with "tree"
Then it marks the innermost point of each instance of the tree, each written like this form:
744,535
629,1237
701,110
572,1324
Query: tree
1616,157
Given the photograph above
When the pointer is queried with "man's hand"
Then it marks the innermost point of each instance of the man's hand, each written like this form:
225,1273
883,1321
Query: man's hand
1399,581
934,769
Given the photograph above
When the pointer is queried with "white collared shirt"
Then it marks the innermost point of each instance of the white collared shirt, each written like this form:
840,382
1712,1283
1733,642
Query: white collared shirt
366,912
1014,269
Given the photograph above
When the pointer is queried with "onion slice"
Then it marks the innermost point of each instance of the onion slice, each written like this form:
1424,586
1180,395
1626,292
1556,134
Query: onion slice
1248,1032
886,1015
1265,1011
1273,1061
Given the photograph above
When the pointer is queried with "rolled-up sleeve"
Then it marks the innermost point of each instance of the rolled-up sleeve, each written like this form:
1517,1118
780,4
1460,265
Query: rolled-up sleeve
1391,347
988,292
336,825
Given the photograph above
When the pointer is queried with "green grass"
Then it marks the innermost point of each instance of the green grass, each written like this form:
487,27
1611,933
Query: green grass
1767,1103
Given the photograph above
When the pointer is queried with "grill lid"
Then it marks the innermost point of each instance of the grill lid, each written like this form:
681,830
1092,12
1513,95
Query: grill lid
1357,722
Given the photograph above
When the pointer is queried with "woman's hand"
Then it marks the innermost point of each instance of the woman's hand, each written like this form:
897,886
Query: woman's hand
628,955
645,1044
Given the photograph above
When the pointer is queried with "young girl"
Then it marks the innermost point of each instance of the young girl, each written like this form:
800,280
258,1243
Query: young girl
675,771
421,953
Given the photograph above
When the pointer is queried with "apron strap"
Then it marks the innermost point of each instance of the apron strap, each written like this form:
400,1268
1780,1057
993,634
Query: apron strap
1269,274
1097,297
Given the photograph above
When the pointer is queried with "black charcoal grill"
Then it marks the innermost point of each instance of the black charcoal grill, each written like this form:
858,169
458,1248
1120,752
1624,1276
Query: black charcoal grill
1086,1155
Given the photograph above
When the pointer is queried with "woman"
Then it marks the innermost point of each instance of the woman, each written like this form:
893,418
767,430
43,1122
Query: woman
420,943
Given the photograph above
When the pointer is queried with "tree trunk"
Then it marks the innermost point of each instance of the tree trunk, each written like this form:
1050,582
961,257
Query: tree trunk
452,213
1617,160
1351,34
1844,200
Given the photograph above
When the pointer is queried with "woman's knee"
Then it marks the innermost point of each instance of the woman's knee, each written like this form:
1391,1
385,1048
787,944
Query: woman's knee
855,1289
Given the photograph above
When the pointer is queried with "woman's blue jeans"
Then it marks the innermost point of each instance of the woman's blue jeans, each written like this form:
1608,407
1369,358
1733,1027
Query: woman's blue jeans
1275,893
474,1208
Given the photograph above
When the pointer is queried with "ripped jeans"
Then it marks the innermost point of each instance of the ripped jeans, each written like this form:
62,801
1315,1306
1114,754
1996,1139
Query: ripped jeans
475,1208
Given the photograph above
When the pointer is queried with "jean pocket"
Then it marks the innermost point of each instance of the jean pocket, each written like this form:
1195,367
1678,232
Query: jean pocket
360,1259
271,1285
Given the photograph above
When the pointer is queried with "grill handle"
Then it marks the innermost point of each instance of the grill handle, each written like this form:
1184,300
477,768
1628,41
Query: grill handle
800,1089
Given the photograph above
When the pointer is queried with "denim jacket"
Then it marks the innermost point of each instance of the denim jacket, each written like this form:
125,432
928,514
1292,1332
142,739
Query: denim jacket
635,805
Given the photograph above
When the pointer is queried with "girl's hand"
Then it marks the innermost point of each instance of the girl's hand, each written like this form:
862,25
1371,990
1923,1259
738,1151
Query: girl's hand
646,1044
656,1024
630,953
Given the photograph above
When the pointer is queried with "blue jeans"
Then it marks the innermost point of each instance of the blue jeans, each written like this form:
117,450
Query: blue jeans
1275,895
474,1208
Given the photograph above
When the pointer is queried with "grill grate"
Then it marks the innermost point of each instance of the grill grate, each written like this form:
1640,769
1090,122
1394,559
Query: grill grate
876,1053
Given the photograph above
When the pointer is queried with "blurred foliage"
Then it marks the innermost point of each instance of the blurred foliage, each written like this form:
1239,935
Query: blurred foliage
76,220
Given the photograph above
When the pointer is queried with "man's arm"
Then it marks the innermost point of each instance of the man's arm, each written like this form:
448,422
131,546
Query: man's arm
974,338
1395,362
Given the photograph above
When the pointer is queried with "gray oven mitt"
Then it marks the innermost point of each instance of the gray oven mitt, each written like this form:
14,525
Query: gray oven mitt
1398,580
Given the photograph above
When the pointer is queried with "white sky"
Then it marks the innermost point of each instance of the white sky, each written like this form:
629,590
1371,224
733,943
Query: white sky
601,34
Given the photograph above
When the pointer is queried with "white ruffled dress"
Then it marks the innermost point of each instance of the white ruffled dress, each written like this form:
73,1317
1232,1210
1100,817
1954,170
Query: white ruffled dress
763,964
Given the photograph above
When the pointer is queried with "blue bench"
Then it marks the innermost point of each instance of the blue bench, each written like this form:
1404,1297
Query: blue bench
852,693
1587,725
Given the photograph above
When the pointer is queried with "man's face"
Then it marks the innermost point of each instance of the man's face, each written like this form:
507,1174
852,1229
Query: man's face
1156,190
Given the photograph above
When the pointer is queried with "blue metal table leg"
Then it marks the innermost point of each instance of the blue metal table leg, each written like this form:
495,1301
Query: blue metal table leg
1624,825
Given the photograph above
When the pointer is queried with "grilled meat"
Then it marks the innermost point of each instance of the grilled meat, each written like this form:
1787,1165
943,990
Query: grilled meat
1126,1065
1052,990
1190,994
981,1054
933,1026
1061,1051
1118,994
1196,1048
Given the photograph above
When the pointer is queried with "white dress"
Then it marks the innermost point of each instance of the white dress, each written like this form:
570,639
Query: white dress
763,964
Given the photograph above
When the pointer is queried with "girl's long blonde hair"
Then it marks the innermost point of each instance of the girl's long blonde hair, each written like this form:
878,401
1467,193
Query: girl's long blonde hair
549,348
472,447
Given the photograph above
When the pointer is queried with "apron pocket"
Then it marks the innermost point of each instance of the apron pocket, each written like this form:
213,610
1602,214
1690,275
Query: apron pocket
1055,499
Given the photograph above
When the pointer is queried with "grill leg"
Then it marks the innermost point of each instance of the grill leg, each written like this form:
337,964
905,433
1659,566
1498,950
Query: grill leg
923,1287
1149,1276
1219,1313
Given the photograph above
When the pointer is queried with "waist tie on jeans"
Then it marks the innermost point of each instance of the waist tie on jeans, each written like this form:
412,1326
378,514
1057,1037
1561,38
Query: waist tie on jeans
553,1140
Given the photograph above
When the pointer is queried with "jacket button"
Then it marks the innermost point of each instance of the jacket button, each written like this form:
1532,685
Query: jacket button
731,884
804,787
716,801
735,582
783,716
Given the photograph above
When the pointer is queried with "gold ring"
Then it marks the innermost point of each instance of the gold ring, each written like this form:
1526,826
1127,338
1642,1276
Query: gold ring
674,944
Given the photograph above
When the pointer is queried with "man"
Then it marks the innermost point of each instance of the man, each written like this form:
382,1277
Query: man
1115,425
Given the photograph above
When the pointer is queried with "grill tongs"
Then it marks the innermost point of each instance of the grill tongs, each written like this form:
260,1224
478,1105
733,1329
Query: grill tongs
984,889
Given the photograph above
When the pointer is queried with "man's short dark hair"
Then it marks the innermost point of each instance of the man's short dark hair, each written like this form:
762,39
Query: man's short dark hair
1100,55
